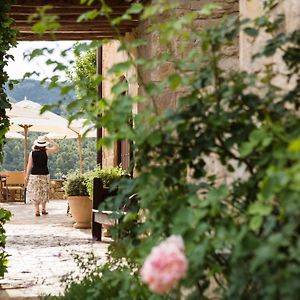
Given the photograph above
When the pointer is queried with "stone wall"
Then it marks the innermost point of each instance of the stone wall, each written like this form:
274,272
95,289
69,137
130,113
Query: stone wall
111,56
236,56
56,190
290,9
154,48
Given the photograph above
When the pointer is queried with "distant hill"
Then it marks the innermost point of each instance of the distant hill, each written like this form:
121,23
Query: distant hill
35,91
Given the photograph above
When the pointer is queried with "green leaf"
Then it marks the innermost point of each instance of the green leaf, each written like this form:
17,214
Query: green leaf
294,146
251,31
135,8
66,89
120,68
149,11
246,149
174,81
256,222
260,209
119,88
154,138
90,15
208,9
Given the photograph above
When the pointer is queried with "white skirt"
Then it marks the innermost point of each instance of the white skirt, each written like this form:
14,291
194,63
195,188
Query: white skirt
38,189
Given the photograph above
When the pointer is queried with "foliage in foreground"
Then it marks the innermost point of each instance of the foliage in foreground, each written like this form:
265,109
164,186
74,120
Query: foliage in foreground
7,41
5,215
241,235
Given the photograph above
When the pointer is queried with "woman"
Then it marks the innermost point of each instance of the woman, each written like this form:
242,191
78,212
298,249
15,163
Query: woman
37,177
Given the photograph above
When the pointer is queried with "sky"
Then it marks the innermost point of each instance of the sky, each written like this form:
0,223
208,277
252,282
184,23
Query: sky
17,68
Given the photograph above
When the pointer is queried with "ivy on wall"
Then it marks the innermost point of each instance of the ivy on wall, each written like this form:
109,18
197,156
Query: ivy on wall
7,41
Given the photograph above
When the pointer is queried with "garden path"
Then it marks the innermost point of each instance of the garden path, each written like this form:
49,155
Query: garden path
40,250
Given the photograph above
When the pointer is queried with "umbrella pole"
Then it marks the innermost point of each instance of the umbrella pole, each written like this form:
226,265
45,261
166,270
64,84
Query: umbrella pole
80,154
25,127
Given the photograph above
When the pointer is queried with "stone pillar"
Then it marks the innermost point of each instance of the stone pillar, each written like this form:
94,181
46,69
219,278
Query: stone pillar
111,56
292,14
249,46
253,9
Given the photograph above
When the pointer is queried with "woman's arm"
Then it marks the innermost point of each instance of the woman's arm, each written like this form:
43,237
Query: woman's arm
28,169
54,146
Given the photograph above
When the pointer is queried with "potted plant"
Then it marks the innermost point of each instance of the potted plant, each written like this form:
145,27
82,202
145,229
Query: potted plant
79,201
105,177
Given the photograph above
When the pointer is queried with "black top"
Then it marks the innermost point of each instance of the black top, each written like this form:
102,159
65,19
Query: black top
39,161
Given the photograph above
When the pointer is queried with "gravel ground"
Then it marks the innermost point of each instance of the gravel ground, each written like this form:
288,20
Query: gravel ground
40,250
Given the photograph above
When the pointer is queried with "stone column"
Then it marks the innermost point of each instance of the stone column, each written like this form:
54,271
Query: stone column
249,46
292,14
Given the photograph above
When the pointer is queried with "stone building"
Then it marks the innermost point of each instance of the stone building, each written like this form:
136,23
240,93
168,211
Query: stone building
152,49
236,56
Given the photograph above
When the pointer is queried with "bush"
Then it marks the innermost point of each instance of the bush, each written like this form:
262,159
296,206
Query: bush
75,185
107,175
5,215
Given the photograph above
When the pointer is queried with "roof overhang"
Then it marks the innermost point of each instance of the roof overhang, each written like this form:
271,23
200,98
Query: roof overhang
68,12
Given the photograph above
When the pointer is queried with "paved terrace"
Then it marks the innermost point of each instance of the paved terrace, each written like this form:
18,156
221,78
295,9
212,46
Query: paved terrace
40,249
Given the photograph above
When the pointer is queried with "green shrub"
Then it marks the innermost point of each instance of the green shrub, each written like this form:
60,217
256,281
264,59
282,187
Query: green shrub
115,281
5,215
107,175
75,185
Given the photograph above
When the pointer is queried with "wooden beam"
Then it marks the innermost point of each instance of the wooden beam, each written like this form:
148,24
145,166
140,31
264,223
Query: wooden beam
79,27
66,3
65,18
20,11
68,12
32,7
78,32
65,37
20,23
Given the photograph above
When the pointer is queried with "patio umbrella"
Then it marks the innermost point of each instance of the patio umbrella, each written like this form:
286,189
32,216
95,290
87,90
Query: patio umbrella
25,115
14,135
79,128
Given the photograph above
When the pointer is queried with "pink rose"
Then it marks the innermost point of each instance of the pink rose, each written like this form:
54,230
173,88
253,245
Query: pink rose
165,266
176,240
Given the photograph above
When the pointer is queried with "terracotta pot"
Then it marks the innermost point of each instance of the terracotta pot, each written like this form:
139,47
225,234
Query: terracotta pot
81,210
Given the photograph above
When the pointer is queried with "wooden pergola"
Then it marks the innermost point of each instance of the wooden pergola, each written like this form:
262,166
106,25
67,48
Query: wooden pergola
68,12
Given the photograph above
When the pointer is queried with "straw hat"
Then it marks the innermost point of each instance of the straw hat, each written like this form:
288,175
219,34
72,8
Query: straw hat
41,141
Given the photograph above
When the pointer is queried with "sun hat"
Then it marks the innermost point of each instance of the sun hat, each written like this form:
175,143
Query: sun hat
41,141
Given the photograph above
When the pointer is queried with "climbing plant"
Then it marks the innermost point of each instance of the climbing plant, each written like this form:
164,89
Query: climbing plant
199,235
4,217
7,41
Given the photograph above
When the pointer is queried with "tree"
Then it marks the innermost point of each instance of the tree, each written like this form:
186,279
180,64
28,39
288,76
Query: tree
82,77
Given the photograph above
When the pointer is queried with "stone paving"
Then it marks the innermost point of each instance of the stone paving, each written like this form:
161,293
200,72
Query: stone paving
40,250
